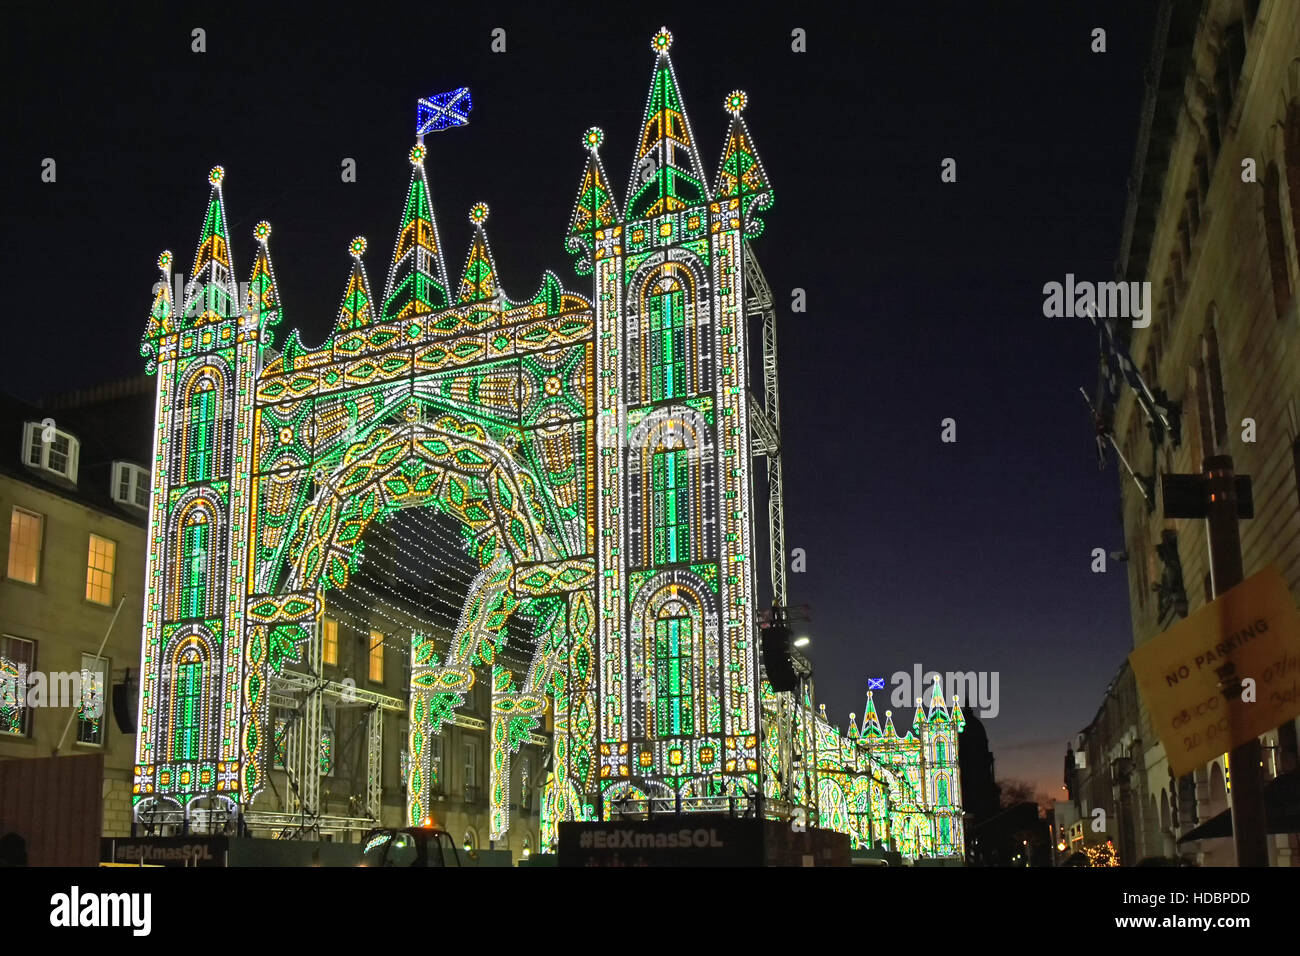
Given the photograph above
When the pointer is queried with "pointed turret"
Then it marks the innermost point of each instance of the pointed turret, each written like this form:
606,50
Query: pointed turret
958,719
263,291
595,207
211,294
938,711
870,722
357,309
479,281
853,727
889,724
918,716
667,173
740,174
417,279
162,317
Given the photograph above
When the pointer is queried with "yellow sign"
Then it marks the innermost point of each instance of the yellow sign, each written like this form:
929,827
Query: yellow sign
1250,633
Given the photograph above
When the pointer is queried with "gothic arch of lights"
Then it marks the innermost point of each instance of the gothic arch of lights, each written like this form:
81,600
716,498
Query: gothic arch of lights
596,448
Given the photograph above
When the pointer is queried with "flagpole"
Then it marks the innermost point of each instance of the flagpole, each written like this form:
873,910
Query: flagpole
1119,454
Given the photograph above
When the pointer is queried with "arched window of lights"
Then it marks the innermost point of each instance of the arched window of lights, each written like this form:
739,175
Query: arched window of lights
940,752
202,410
1217,402
195,546
669,353
671,464
675,663
941,792
1276,240
189,696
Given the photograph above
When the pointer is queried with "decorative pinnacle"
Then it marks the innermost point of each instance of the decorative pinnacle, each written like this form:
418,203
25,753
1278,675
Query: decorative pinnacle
215,175
736,101
358,246
918,702
262,231
165,261
593,138
418,152
661,41
478,213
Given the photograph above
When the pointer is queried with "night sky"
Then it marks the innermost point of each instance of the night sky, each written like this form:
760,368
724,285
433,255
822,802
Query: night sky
924,298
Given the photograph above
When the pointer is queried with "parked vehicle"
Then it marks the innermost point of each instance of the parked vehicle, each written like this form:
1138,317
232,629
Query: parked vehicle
409,846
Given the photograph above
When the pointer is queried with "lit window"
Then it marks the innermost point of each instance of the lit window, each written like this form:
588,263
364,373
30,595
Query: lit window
90,715
100,563
17,661
671,535
376,657
202,422
330,642
58,455
25,532
130,484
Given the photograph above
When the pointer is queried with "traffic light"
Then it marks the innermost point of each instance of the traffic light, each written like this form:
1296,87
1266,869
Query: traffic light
778,656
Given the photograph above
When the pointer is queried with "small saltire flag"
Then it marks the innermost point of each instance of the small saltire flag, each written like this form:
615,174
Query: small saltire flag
443,111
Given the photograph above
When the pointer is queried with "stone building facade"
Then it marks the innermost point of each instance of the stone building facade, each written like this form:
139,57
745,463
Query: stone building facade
1213,223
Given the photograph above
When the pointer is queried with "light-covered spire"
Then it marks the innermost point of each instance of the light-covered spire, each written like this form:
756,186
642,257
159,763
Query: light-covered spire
740,174
870,722
162,316
667,173
594,208
263,291
417,279
211,294
479,282
357,310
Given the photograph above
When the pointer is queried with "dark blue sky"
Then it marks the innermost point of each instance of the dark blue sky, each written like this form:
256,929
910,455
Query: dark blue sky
924,298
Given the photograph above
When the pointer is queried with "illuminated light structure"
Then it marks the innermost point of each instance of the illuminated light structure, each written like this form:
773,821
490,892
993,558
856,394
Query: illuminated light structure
596,451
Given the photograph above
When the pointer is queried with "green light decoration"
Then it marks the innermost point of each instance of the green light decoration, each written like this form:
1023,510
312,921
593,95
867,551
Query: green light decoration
593,449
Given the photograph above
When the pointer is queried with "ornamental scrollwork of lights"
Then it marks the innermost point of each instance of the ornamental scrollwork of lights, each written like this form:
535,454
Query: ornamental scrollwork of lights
595,448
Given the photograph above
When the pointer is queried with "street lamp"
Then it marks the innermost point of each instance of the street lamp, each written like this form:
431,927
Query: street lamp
801,642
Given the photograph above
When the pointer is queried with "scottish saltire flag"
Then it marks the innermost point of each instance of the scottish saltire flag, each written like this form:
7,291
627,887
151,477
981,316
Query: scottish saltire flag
1117,367
875,683
442,111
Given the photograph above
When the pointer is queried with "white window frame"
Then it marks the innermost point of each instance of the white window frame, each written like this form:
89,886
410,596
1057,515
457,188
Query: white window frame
137,479
26,731
32,442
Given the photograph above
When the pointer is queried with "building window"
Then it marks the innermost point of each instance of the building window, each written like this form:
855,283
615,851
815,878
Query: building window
194,566
17,661
187,707
669,506
130,485
471,772
90,715
330,641
1276,241
100,563
436,783
58,455
26,528
326,750
376,657
673,691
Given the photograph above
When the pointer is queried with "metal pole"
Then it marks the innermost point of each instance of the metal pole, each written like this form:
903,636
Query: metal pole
107,678
1248,831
